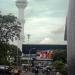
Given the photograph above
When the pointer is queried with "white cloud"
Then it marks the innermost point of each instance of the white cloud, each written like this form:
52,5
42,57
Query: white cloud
47,41
51,41
60,30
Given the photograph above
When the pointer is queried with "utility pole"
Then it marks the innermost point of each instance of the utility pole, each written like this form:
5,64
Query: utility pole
28,35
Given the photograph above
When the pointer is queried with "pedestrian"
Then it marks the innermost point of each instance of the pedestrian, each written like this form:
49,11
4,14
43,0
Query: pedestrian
58,73
19,71
36,71
16,71
48,71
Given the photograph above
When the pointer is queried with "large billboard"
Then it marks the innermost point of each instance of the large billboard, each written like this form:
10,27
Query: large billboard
44,54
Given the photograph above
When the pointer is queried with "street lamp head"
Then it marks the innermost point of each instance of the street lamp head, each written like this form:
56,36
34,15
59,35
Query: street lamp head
28,36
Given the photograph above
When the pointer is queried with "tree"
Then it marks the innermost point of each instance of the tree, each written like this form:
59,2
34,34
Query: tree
60,67
60,55
7,52
4,48
13,52
60,60
58,64
9,28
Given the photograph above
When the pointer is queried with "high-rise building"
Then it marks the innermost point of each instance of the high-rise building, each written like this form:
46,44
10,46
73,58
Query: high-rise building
21,4
70,37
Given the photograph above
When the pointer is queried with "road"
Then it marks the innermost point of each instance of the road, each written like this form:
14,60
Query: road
40,73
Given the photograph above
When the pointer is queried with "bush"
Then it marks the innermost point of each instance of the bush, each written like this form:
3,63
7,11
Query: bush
58,64
60,67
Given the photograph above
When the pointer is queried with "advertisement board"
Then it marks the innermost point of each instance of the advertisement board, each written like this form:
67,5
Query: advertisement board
45,54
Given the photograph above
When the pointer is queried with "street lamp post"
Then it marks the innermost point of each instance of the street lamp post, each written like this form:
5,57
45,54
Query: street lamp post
28,36
17,57
30,54
29,61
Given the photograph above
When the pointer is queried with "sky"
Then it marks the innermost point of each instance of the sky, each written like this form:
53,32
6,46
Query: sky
44,19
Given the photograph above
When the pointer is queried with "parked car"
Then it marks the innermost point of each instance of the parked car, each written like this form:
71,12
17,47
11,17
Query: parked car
4,70
43,69
46,69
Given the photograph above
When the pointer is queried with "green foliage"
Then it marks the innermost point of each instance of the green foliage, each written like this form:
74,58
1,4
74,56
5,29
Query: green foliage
9,28
59,61
4,53
58,65
8,51
64,71
60,55
15,53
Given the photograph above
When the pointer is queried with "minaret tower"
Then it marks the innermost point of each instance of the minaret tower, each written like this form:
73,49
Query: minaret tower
21,4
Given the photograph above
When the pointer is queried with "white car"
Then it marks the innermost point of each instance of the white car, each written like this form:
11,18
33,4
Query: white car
4,67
